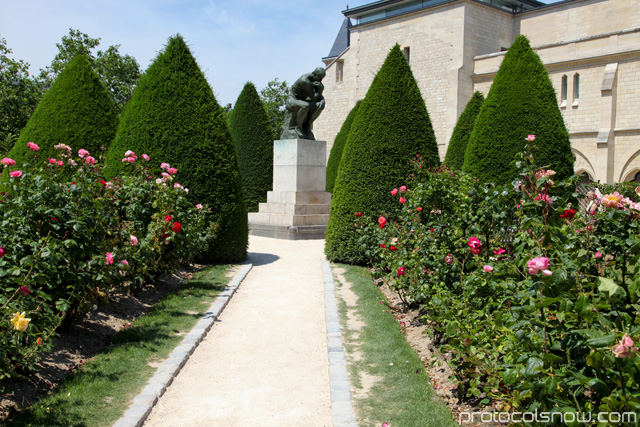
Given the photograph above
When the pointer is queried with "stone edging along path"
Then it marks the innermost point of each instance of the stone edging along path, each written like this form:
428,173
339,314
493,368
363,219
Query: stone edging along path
156,386
341,407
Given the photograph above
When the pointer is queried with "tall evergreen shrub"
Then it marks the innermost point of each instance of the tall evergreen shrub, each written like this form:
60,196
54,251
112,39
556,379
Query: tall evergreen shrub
521,101
338,148
77,110
390,128
461,133
174,117
253,137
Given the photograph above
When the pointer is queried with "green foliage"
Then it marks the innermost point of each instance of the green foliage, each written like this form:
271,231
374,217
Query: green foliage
461,133
70,238
77,108
536,302
274,96
391,127
118,73
521,101
338,148
253,138
19,96
173,116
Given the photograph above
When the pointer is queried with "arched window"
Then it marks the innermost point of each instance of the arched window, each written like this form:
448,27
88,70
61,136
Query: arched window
576,86
563,91
585,178
636,178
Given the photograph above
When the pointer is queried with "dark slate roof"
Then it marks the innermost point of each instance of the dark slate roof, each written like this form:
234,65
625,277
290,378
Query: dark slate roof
342,40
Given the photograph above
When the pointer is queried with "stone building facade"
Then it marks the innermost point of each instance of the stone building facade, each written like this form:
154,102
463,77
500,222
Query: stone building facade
591,49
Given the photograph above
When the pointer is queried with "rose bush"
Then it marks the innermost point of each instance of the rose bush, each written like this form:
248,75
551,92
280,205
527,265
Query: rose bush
70,238
535,299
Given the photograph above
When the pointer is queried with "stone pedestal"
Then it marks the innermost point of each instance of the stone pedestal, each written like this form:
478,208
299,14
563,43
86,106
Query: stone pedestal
298,207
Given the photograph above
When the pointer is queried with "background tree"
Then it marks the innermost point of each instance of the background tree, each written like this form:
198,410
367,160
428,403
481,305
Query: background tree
338,148
118,73
461,133
521,101
253,137
173,116
390,128
274,97
76,111
19,96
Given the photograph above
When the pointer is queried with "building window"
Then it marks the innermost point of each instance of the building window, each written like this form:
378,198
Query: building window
563,91
339,71
576,89
636,178
407,54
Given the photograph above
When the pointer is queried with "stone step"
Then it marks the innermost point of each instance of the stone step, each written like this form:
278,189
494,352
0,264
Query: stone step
284,219
293,209
299,197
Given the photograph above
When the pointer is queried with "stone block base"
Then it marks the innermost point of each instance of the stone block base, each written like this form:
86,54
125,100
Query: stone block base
288,232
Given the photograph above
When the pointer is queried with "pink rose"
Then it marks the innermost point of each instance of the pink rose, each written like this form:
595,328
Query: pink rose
625,348
172,171
130,153
499,251
109,258
131,159
134,240
147,158
7,162
164,165
598,255
60,163
82,153
90,160
487,269
394,191
531,138
125,262
32,146
402,200
52,161
403,188
613,200
15,174
448,259
475,245
382,221
198,206
538,264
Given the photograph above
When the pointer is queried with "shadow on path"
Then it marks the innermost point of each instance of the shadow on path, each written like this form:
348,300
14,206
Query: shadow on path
258,259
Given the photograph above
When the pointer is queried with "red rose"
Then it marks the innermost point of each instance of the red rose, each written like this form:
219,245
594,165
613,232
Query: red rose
168,218
25,290
358,214
401,271
393,248
176,227
568,214
103,182
382,245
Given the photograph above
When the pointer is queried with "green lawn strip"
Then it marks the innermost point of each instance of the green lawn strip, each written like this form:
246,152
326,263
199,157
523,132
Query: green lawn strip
403,397
99,393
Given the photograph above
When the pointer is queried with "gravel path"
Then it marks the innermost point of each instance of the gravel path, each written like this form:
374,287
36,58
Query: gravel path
264,363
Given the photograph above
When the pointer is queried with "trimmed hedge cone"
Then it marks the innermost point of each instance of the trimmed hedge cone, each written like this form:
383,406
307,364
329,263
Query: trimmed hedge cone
338,148
253,137
77,110
521,102
391,127
461,133
173,116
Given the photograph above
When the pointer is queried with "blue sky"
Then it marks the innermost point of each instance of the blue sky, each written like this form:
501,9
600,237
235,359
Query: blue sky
233,41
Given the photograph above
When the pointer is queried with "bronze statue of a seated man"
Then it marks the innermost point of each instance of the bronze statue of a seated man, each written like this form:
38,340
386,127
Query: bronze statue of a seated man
304,105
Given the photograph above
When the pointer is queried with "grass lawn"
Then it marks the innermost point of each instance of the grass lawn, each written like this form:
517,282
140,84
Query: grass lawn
402,396
100,391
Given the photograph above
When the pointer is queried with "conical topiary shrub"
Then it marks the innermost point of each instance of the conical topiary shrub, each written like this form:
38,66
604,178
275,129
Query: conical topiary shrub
174,117
253,137
461,133
521,101
77,110
390,128
338,148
